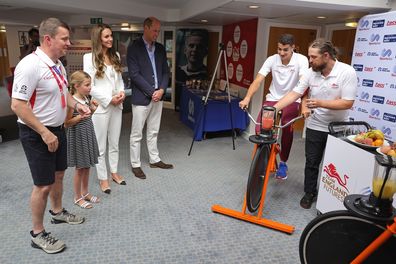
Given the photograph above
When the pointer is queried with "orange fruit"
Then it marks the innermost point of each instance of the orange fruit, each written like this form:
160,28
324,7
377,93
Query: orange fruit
378,142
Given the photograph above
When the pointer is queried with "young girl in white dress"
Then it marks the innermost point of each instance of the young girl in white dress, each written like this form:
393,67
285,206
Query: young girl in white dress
82,147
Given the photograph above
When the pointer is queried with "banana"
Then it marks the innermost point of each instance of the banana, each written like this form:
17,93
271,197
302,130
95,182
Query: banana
379,134
370,134
375,134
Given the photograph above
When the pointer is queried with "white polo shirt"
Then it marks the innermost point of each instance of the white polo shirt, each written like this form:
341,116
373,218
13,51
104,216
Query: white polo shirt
284,77
341,83
35,83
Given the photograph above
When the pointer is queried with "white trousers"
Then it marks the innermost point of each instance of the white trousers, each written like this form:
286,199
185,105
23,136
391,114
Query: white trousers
107,129
151,115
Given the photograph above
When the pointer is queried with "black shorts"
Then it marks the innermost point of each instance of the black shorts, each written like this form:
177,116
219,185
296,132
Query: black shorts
43,164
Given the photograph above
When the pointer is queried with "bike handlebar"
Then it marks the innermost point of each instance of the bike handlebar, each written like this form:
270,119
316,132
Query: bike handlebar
290,122
275,126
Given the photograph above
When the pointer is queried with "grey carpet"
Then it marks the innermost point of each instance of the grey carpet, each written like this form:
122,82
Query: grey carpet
167,217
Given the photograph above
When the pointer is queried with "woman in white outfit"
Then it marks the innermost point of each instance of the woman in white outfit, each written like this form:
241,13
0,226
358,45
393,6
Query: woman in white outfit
104,67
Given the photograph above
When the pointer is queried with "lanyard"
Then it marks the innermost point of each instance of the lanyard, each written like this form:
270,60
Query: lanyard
60,80
59,74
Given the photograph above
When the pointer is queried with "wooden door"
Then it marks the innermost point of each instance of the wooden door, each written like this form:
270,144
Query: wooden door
213,51
4,64
303,37
344,40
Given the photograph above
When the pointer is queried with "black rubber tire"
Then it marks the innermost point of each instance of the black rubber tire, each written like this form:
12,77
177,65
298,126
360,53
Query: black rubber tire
339,237
256,177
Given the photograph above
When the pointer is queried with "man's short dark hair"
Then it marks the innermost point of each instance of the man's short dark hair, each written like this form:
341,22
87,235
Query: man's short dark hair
148,22
32,31
203,33
286,39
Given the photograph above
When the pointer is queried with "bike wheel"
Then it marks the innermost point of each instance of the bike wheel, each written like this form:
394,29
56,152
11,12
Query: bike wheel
339,237
257,177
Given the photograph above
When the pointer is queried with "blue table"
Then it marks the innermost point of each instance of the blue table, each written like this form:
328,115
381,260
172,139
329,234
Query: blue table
217,114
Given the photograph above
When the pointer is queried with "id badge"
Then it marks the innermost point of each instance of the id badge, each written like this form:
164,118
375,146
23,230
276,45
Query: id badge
63,101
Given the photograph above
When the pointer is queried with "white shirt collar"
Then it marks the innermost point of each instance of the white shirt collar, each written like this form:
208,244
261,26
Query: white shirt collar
44,57
291,62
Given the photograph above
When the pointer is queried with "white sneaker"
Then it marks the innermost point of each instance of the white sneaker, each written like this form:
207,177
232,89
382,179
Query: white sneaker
47,243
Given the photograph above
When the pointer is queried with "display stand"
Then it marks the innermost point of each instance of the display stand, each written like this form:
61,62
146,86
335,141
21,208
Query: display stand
202,114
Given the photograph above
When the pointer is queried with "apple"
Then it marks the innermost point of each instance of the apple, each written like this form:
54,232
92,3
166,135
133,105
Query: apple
385,149
359,138
368,141
392,153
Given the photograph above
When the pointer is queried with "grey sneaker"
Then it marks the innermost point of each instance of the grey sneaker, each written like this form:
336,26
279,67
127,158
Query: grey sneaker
48,243
65,217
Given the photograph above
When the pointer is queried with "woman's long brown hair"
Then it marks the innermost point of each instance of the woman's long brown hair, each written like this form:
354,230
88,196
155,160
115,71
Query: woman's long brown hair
97,52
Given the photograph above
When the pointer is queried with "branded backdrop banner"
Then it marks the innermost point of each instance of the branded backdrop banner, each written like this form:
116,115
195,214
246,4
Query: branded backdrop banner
375,63
240,46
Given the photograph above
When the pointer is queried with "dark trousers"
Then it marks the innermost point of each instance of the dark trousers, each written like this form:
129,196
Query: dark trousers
315,143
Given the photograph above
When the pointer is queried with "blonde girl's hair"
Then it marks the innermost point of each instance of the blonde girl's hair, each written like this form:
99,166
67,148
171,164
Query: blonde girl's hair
77,78
97,52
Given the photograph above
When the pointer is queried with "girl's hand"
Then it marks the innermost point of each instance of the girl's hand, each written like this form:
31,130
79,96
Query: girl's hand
94,102
93,106
83,110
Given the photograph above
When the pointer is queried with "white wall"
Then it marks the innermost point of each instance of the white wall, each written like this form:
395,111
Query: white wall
13,40
13,43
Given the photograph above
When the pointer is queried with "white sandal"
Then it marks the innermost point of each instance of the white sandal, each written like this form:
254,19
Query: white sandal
85,204
93,199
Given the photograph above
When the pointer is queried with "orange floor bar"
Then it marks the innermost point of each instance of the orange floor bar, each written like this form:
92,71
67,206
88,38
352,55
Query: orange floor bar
252,218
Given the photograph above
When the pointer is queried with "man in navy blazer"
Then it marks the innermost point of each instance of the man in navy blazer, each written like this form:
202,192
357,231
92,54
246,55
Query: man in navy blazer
149,73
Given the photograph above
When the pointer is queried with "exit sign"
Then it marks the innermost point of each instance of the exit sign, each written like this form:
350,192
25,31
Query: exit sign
96,20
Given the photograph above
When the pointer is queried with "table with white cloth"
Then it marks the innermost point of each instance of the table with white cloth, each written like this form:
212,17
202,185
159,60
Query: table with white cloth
347,169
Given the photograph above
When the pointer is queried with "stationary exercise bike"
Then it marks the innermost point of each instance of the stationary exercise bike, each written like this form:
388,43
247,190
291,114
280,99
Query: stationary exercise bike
263,164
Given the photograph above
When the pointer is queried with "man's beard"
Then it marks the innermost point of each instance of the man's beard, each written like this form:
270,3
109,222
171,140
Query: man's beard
319,68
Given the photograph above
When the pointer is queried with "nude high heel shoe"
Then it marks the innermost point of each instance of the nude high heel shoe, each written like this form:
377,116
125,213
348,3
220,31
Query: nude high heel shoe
104,186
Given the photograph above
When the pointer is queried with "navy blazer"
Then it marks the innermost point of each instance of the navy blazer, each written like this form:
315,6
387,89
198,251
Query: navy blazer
142,74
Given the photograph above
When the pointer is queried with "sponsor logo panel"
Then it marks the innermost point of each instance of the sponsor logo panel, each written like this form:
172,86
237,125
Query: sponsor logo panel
390,102
391,23
389,38
364,97
386,54
389,117
367,83
375,114
378,99
378,23
359,67
375,39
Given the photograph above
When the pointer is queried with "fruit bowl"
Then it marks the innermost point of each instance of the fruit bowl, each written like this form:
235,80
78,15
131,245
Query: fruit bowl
389,150
351,138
